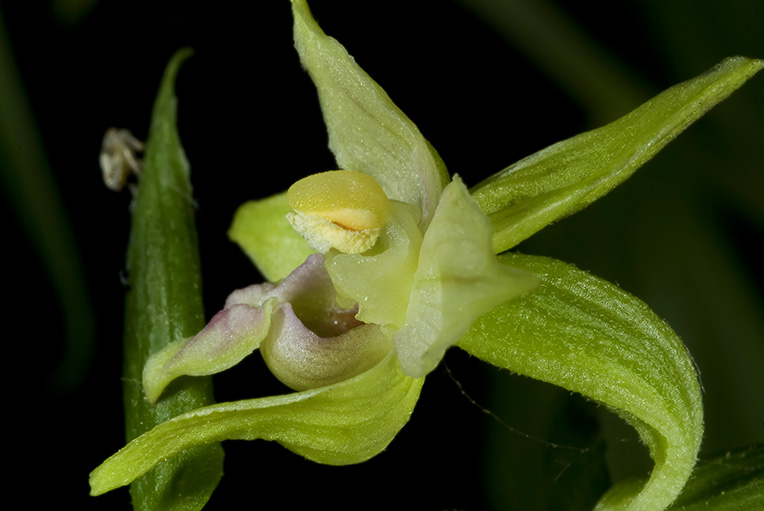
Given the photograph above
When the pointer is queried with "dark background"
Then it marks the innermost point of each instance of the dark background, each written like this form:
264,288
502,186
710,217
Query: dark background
487,82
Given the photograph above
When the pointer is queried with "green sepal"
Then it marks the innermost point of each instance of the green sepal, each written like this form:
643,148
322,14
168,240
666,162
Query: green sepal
367,132
262,231
164,305
567,176
588,336
341,424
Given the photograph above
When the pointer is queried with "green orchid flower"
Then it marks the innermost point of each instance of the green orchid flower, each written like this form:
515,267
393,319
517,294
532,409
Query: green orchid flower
392,278
374,271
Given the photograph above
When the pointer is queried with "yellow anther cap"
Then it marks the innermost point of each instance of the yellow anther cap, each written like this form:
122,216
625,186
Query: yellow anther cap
341,209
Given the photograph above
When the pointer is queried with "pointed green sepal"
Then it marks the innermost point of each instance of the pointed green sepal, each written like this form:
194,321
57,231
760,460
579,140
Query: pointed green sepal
567,176
588,336
367,132
341,424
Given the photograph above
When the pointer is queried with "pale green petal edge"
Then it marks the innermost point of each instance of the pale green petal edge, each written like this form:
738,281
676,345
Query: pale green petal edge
458,279
379,280
341,424
367,132
588,336
263,232
566,177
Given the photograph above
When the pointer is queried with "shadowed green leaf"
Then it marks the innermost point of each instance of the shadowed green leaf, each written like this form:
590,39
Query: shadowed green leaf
30,191
578,477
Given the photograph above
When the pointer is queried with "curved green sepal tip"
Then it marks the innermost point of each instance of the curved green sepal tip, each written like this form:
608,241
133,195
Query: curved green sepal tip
367,132
588,336
262,230
567,176
733,481
341,424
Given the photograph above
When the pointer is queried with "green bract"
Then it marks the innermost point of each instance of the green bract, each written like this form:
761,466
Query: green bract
160,309
355,333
